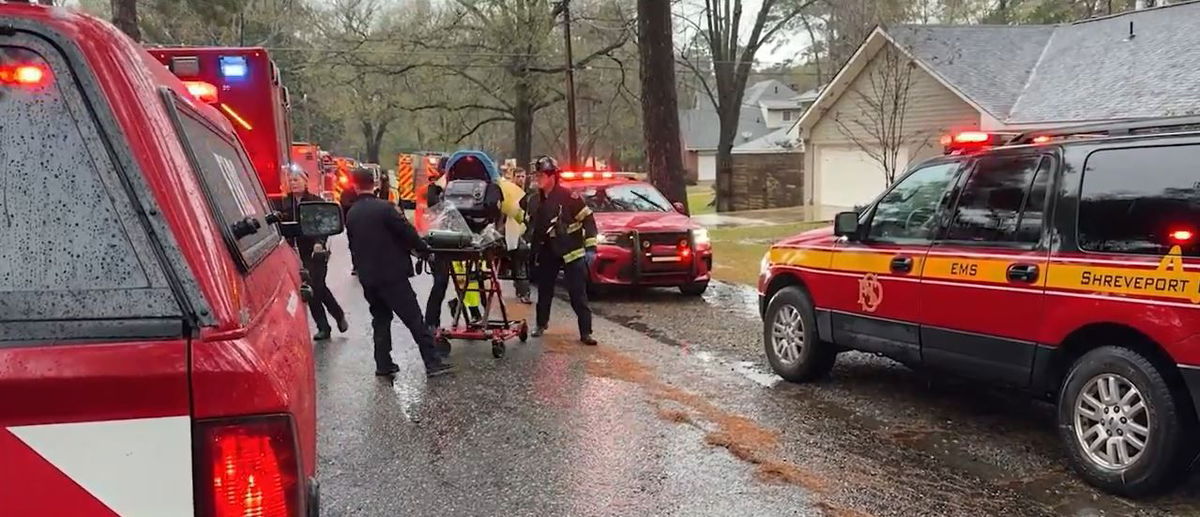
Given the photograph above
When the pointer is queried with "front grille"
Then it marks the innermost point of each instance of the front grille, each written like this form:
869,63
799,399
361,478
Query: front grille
659,252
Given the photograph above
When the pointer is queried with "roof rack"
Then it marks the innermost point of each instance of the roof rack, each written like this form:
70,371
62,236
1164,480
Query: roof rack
1107,129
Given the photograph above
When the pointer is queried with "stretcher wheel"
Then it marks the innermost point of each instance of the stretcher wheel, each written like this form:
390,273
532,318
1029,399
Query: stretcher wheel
443,345
524,335
497,349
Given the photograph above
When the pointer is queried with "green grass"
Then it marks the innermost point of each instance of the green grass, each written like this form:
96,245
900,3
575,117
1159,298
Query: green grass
738,250
699,198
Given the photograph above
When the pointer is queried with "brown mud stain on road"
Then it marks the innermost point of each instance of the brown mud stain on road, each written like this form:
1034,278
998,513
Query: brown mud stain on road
742,437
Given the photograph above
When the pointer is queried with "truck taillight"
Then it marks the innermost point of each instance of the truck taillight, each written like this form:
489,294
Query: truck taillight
248,467
24,75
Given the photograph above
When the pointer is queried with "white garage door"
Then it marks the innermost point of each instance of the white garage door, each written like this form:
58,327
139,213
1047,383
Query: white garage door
707,167
847,177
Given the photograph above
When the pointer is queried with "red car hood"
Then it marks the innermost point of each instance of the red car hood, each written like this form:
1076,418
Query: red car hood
644,221
818,237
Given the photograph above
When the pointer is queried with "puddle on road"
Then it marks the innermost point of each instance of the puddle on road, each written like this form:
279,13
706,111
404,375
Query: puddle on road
738,299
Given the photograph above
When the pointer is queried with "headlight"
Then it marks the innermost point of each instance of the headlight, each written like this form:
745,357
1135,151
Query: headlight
764,264
700,236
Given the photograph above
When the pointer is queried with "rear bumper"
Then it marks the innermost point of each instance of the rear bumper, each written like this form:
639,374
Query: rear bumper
1191,378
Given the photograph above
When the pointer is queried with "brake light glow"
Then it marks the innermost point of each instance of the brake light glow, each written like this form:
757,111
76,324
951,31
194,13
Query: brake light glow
1182,235
202,91
236,118
248,468
24,75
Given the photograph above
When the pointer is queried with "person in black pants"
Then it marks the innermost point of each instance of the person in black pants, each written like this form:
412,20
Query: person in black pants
314,255
563,239
381,245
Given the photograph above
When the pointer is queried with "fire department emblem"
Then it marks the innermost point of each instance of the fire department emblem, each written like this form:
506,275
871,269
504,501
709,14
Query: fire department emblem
870,292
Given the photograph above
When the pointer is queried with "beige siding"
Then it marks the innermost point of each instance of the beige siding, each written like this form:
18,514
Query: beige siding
932,111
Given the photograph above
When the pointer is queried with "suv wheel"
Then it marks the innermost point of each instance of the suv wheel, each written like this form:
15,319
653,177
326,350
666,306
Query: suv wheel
1124,427
790,338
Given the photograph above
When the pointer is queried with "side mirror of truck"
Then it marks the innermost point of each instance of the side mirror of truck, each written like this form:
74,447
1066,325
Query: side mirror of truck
319,219
845,224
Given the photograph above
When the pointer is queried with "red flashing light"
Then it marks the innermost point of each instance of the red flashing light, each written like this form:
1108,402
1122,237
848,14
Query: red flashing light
589,175
1182,236
343,180
568,175
24,75
1041,139
248,467
202,91
972,137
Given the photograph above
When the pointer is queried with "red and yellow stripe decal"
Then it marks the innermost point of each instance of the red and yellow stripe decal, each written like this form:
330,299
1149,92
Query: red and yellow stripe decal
1168,280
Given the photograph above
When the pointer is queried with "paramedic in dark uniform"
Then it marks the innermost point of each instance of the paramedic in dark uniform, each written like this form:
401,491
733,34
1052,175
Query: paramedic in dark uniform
563,239
315,256
381,245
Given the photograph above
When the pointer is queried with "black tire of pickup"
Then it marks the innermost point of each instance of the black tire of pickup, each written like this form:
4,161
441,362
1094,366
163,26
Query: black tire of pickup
815,358
1169,446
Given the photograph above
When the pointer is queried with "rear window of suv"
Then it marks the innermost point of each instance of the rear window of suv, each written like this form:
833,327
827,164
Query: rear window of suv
1141,200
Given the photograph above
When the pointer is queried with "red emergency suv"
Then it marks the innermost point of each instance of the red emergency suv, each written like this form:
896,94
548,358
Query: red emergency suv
643,240
154,347
1065,263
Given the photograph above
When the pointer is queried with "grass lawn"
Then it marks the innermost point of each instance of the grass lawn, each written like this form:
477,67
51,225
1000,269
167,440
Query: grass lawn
737,251
699,197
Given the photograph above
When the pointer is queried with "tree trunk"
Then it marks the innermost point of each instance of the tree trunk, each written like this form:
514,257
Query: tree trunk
523,125
660,106
373,136
125,17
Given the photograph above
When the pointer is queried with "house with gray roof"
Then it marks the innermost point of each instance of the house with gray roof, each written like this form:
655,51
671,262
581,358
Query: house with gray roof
1137,64
767,107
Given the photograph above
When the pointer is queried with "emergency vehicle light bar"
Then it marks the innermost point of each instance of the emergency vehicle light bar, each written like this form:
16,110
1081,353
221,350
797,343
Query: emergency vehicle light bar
963,141
233,66
1109,129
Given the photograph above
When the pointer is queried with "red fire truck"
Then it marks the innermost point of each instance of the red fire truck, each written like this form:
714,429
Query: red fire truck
244,85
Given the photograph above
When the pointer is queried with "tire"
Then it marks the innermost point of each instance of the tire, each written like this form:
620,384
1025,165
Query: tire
809,359
694,289
1167,422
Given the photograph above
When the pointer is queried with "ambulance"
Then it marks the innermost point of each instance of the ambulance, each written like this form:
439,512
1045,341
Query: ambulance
242,83
1063,263
155,358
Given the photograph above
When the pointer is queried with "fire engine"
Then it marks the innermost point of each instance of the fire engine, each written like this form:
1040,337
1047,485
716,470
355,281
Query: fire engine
308,158
244,85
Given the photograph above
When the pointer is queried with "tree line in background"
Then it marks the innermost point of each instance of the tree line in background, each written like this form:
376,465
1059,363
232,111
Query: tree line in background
371,78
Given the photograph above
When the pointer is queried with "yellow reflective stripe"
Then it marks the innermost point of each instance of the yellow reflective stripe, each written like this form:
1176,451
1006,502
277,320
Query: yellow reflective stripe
583,214
589,242
573,256
574,227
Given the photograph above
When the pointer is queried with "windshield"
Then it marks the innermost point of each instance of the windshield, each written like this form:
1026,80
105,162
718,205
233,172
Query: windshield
625,198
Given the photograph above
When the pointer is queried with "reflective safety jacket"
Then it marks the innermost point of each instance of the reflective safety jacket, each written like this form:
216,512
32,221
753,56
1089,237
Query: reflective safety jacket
562,221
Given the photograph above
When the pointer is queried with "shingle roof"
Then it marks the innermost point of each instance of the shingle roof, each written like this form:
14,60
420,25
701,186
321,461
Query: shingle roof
966,57
781,140
700,126
1093,70
1089,70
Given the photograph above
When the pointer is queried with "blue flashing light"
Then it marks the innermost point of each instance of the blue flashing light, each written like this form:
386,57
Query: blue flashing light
233,66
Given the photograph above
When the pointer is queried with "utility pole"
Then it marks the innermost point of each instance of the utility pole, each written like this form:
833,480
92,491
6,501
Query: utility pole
564,7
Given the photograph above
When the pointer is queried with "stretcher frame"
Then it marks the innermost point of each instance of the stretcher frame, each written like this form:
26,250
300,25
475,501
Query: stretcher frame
484,265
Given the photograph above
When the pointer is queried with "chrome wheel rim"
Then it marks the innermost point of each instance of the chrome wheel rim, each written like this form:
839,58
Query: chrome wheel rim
787,335
1112,422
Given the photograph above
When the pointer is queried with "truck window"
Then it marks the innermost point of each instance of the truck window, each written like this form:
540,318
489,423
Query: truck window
1141,200
1002,201
906,213
71,244
235,191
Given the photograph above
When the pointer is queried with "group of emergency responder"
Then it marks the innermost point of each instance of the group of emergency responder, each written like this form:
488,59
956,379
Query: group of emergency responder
548,229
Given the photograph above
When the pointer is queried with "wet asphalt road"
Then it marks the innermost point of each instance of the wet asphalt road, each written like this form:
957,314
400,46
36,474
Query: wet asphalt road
675,414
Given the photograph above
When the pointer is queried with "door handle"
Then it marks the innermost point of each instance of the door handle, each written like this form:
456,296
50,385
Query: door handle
902,264
1027,273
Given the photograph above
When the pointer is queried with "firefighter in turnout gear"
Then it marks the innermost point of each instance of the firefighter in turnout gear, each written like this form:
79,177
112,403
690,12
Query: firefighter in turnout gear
563,238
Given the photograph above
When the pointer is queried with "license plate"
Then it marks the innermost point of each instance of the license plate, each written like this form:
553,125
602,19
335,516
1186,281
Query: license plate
664,259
